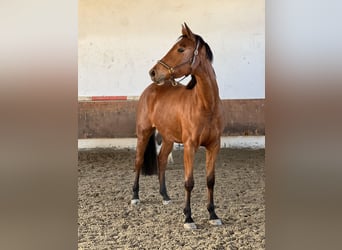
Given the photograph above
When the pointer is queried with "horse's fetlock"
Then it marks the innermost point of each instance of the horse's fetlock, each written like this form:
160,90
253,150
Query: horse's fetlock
211,207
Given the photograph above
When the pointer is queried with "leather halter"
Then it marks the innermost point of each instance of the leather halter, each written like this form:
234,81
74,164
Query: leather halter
172,69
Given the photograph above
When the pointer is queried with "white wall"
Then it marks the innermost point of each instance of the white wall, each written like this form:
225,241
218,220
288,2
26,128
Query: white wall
119,41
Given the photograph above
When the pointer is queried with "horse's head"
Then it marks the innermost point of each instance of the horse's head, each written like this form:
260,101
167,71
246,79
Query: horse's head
182,58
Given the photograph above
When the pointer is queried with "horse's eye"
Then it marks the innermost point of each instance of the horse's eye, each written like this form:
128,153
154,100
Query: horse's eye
181,50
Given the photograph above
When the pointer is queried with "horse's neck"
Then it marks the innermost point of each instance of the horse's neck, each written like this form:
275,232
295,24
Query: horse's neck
206,87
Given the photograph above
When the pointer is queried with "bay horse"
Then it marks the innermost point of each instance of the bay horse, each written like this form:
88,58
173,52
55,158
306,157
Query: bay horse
190,114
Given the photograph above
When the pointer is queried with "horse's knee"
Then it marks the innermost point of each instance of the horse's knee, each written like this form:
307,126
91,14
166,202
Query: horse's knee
138,163
189,184
162,160
211,181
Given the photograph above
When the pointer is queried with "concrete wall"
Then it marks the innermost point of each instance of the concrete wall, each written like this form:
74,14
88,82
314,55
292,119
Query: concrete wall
119,41
111,119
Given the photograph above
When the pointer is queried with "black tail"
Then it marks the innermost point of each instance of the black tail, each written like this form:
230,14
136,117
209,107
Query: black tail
150,165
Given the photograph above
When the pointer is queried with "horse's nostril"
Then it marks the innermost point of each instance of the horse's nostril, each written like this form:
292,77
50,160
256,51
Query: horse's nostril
152,73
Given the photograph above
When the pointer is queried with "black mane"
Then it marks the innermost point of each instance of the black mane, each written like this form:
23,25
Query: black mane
209,55
201,42
192,83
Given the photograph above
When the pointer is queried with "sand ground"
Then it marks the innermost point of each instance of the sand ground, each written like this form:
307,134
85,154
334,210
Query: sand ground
107,220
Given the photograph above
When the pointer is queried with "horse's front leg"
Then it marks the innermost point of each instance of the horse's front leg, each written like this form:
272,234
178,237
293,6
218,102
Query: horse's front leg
211,154
142,140
165,150
189,153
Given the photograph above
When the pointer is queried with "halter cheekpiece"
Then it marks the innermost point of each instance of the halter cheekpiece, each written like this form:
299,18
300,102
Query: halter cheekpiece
172,69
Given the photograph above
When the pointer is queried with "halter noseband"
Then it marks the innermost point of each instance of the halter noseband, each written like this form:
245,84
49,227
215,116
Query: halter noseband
172,69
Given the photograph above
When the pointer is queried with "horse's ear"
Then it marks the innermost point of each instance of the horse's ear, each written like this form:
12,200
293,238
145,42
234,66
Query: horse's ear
187,32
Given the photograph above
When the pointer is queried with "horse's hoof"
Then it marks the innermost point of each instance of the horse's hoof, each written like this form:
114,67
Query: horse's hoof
190,226
135,202
216,222
166,202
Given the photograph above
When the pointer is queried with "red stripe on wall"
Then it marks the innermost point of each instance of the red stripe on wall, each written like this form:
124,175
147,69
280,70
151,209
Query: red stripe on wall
109,98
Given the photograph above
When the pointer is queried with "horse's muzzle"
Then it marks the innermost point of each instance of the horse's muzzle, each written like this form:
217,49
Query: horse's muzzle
152,73
155,77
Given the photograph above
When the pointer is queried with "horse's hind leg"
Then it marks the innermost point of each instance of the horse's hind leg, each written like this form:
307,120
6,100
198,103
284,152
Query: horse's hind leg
143,137
211,154
165,150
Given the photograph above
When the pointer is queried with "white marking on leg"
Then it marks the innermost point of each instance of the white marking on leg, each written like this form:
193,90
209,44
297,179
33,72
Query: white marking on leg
216,222
190,226
135,202
166,202
170,158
